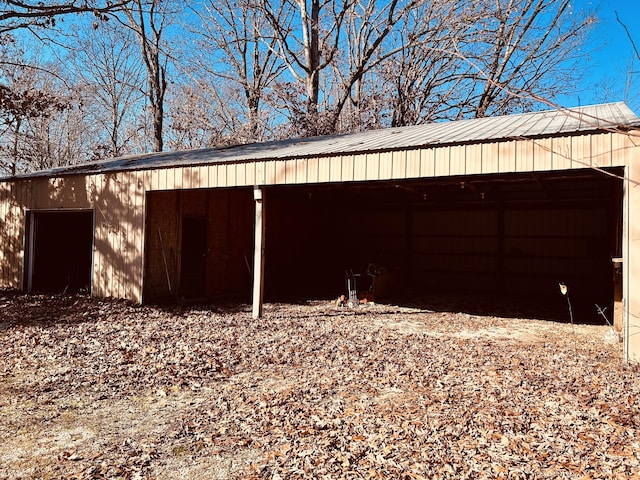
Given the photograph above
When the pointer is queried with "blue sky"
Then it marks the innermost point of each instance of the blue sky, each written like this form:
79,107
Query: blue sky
609,56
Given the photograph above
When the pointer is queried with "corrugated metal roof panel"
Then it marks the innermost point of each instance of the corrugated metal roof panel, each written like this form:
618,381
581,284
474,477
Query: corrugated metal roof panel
535,124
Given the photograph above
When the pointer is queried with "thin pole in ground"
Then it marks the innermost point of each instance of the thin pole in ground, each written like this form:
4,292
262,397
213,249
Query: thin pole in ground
564,290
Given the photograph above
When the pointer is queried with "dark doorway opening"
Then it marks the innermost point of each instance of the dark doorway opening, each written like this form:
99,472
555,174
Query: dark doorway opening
498,243
193,257
61,251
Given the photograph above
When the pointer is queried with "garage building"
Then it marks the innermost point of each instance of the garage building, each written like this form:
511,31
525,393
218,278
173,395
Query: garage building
504,207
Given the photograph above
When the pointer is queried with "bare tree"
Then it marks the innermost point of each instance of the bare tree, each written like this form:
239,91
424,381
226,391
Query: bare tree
306,51
632,75
198,117
18,15
235,48
59,138
424,75
23,99
522,51
339,44
40,121
106,65
148,20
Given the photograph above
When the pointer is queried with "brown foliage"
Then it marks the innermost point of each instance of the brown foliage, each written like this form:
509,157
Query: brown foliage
104,389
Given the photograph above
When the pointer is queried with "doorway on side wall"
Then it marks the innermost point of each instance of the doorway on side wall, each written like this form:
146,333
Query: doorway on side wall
59,253
193,259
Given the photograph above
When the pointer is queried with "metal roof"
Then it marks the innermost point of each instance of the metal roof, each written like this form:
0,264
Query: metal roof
535,124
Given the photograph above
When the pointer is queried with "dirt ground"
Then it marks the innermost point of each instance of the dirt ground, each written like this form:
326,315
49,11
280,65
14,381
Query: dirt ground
97,389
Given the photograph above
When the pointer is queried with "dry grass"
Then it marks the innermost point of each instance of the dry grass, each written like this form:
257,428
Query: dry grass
103,389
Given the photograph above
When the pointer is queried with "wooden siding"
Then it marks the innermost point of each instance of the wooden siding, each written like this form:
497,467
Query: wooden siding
628,149
118,199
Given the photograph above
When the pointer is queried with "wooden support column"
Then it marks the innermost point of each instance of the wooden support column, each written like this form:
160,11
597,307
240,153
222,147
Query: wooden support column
631,263
258,253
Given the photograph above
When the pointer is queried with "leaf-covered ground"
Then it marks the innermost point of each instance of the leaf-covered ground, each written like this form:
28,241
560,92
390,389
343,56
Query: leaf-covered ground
104,389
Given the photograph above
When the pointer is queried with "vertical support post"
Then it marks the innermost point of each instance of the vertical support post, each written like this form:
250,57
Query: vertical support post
30,249
631,269
258,253
631,265
500,246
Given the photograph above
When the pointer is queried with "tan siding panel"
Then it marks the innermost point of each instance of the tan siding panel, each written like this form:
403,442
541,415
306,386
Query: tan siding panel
601,149
18,231
196,178
154,179
442,161
130,235
474,159
289,168
335,169
241,174
137,225
413,164
101,241
170,179
203,176
313,172
543,155
250,178
325,169
161,179
260,178
372,166
490,158
347,168
582,150
280,172
301,173
524,156
187,178
214,175
271,174
231,174
622,147
221,175
399,169
458,160
386,165
8,223
5,236
562,153
360,167
507,157
427,162
181,179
